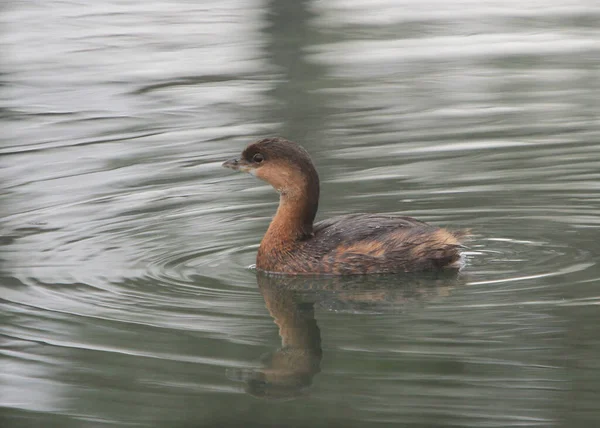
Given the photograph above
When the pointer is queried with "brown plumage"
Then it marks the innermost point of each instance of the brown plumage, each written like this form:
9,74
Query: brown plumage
344,245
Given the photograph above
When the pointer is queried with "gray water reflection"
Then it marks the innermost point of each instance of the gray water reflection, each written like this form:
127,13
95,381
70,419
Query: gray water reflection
287,372
124,247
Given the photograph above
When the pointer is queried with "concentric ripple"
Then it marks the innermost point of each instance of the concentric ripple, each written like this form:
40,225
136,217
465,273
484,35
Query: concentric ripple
124,246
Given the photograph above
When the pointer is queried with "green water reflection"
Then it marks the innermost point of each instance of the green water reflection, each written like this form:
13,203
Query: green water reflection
124,247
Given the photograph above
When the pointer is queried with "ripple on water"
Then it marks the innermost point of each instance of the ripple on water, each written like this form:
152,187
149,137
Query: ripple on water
124,247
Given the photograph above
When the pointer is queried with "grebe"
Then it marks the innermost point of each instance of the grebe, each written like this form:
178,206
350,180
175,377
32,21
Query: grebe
346,245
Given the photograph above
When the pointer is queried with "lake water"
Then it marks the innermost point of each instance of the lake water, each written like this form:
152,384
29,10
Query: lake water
127,297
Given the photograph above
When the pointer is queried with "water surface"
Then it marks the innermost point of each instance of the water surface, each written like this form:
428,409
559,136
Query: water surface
125,289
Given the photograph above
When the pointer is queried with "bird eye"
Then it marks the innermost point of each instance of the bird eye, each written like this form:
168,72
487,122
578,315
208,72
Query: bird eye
258,158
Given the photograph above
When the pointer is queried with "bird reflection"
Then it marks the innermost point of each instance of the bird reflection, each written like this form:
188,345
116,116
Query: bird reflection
287,372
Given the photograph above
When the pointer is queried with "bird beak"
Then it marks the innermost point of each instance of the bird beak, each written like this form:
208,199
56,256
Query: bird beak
237,165
232,164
